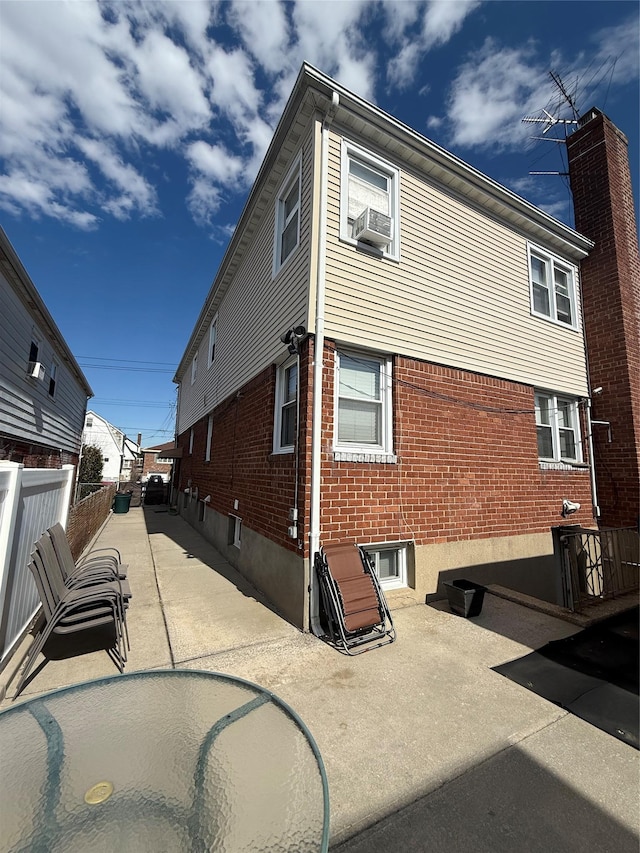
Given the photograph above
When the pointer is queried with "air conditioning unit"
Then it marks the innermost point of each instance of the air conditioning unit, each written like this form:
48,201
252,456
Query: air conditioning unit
36,370
373,227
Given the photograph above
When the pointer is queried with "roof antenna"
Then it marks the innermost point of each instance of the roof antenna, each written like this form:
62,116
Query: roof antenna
549,121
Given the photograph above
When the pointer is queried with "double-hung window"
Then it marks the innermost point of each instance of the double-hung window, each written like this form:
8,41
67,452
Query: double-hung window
288,218
363,404
558,428
284,432
207,450
368,182
213,338
553,288
53,373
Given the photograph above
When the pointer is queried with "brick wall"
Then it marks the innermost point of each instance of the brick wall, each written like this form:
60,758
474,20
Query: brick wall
34,455
243,466
467,463
604,211
87,516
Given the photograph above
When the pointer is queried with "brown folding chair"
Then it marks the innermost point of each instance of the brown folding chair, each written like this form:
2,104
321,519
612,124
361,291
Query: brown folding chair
355,610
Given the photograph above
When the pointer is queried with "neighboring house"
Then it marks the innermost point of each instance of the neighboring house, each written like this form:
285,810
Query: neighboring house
391,352
43,391
119,453
153,461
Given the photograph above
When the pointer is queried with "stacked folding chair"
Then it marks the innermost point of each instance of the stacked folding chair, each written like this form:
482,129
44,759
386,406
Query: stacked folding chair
354,608
87,600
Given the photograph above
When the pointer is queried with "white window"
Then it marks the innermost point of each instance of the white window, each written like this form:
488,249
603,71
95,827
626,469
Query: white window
191,441
89,423
194,368
369,182
363,404
553,288
558,427
53,372
288,218
207,453
284,430
390,564
213,337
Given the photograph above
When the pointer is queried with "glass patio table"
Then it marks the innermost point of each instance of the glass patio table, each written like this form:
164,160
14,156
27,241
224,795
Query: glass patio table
174,760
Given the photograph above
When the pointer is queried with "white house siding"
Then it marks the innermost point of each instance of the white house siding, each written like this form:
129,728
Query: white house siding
27,412
458,296
110,441
255,309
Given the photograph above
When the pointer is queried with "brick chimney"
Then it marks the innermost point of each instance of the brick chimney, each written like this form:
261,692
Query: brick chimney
603,205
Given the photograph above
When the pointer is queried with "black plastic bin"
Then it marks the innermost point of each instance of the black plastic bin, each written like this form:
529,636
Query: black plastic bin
465,597
121,502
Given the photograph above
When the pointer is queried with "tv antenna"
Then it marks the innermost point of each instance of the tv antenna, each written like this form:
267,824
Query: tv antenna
550,121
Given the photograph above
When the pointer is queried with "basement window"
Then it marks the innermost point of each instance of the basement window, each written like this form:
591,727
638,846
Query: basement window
389,563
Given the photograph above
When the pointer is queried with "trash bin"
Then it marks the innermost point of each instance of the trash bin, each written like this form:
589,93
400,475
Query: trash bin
121,502
465,597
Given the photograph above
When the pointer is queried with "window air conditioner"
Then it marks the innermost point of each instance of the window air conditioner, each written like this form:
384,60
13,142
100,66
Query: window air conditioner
373,227
36,370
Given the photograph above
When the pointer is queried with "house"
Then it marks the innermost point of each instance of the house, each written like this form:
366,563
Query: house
155,462
43,391
119,453
390,352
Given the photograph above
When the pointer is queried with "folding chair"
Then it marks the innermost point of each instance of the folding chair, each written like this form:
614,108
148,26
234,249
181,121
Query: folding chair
355,609
99,561
97,606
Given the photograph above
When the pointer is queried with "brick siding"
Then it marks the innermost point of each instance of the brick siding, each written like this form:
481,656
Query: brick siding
34,455
467,463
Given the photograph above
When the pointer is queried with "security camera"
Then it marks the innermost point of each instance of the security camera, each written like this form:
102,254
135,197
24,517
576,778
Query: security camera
569,507
299,331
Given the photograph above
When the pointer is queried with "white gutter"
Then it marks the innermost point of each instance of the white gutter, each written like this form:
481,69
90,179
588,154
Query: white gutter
318,363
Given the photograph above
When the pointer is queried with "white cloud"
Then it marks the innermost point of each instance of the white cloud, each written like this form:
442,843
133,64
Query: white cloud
441,20
204,200
263,27
215,162
133,192
621,44
491,93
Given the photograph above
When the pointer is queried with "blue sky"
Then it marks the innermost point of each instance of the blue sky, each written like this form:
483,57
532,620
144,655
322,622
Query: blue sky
132,133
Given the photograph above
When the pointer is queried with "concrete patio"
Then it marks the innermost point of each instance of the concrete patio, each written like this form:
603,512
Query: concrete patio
425,747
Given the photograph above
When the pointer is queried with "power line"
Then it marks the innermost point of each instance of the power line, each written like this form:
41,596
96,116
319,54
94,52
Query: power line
130,369
126,360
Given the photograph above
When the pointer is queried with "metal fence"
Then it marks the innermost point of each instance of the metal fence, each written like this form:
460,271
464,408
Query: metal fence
31,500
599,564
83,490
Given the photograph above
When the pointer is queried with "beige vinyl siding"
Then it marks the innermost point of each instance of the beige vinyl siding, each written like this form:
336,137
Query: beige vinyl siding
458,296
27,412
255,309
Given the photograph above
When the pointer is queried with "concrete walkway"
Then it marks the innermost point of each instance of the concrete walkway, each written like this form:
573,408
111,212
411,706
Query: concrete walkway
425,747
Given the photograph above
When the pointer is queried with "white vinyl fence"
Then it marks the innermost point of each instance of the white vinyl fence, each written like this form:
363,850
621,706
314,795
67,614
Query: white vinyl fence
31,500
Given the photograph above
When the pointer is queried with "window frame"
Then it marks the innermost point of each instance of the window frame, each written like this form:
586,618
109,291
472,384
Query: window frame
385,366
552,263
282,221
281,403
401,580
555,427
191,442
351,151
213,340
207,449
53,373
194,369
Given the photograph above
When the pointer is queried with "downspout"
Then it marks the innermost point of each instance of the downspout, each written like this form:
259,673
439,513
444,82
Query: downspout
592,461
318,363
